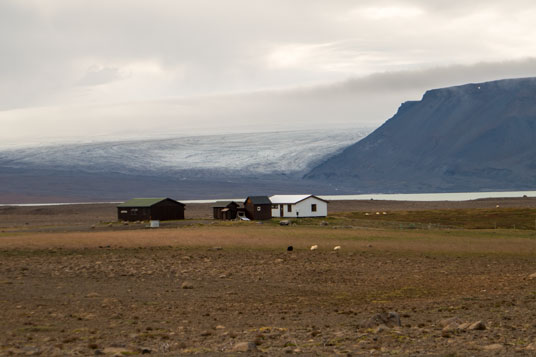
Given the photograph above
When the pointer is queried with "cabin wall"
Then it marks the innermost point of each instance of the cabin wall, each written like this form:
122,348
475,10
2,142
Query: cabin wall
133,213
304,208
219,213
258,212
162,211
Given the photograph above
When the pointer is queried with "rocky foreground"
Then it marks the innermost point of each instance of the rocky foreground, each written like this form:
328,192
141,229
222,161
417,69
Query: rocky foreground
172,300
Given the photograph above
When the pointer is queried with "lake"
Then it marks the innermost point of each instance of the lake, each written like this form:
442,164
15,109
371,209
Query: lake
453,196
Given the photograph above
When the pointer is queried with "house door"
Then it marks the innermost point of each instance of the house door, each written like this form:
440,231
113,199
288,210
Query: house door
281,211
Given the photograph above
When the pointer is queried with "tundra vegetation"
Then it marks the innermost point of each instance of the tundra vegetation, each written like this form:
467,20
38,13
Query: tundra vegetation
443,282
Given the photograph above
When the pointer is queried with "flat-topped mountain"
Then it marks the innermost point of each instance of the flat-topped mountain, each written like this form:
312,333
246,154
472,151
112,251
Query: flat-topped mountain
465,138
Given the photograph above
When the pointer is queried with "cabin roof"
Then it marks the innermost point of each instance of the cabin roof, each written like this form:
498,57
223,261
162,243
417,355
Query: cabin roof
145,202
219,204
260,200
290,199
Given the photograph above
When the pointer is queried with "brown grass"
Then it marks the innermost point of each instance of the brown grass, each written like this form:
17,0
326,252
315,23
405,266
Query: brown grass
274,237
507,218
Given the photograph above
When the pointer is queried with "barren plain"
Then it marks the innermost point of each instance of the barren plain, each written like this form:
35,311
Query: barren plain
74,282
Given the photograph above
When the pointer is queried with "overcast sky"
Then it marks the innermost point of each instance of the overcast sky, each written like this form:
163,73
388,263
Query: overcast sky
90,70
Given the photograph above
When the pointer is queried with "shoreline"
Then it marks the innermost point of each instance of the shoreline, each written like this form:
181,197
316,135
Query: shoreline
410,197
78,216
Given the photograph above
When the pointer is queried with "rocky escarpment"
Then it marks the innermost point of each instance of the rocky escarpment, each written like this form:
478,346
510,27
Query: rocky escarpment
467,138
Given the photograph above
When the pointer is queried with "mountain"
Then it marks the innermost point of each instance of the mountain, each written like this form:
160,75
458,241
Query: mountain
196,167
474,137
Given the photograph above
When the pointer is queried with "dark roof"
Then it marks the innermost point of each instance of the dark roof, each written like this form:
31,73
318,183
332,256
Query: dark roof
219,204
145,202
260,200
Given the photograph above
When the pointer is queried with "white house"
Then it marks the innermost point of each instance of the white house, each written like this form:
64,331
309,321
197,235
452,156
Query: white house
298,206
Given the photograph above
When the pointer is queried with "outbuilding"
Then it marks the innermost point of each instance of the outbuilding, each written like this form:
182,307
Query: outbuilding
258,207
144,209
298,206
225,210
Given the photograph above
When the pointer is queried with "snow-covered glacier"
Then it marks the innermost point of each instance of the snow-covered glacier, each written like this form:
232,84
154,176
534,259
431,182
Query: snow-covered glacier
253,154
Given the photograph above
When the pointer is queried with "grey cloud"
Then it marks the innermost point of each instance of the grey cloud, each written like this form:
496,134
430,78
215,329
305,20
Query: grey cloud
96,75
429,78
203,51
359,102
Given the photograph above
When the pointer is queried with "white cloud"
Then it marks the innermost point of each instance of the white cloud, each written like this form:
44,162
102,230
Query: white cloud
87,54
359,102
97,75
389,12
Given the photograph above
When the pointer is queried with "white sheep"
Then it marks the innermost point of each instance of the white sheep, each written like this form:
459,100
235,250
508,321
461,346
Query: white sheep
338,247
314,247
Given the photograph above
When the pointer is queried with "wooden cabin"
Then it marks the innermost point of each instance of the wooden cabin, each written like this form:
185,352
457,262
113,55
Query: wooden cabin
258,207
296,206
225,210
144,209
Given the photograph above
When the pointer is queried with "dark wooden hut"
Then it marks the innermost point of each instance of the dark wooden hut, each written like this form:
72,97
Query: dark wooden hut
258,207
225,210
144,209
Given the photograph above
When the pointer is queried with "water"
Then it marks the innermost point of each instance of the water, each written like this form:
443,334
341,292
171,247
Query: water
451,196
454,196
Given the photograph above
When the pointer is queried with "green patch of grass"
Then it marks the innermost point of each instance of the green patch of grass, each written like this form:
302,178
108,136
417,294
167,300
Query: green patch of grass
81,330
35,329
196,350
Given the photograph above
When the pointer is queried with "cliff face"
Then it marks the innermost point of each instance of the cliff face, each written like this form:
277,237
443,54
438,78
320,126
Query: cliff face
466,138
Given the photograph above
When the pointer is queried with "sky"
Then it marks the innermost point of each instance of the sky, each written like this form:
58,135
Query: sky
101,69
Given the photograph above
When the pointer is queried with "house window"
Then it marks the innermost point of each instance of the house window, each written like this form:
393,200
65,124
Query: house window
289,208
275,206
313,208
258,208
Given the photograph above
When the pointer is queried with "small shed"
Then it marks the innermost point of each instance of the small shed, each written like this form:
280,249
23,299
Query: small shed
258,207
144,209
298,206
225,210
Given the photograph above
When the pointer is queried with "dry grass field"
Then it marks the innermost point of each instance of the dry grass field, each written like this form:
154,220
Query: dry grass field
225,287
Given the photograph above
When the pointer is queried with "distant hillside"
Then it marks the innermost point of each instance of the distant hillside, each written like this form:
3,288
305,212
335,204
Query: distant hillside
467,138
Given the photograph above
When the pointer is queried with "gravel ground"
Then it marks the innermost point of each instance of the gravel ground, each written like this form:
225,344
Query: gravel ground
182,301
387,292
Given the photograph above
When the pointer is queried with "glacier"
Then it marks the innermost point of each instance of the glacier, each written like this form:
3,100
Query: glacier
255,154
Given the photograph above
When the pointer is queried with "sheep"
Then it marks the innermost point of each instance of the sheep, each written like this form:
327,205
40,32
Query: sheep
338,247
314,247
